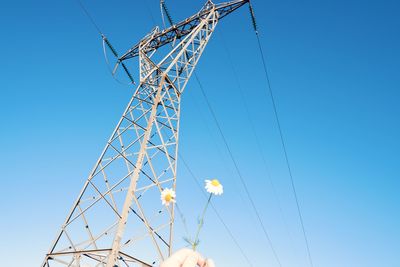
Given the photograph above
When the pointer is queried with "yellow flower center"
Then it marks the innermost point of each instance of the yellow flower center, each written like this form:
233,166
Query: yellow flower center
168,197
215,182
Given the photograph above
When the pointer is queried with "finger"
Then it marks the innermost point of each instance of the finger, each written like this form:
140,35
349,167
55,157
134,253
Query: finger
178,258
193,259
201,261
210,263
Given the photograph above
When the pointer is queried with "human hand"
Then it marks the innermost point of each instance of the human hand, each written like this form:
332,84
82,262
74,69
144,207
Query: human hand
187,258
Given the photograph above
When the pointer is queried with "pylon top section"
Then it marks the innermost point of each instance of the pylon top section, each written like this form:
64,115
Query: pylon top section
160,38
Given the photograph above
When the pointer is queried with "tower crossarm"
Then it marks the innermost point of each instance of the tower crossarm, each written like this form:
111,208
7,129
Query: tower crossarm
182,28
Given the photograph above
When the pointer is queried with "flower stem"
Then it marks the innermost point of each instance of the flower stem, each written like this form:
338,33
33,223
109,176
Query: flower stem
195,242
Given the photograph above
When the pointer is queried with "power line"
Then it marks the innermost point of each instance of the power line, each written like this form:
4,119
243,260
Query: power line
238,171
227,229
216,146
216,211
271,94
256,137
169,17
89,17
149,11
163,5
165,9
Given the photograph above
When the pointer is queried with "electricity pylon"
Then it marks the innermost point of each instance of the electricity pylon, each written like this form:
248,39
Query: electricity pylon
140,158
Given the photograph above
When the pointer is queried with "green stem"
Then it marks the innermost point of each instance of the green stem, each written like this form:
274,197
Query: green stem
201,223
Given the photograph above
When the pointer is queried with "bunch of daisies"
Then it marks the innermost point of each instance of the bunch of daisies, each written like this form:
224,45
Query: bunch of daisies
213,187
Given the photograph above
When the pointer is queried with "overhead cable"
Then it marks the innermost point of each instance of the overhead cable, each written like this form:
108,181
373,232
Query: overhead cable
271,95
265,232
89,17
195,179
254,132
163,5
227,229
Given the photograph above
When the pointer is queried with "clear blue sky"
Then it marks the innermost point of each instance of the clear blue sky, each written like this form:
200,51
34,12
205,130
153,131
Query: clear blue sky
334,67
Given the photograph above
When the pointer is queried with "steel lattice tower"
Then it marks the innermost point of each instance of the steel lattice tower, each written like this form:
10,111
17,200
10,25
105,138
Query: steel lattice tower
140,158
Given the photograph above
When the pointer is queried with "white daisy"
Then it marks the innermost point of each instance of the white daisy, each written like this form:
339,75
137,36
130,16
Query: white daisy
168,196
214,187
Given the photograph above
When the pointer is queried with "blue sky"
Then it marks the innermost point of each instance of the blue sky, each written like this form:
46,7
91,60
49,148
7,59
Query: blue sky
334,67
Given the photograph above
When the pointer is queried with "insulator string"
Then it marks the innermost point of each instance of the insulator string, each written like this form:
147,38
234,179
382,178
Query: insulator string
108,44
165,9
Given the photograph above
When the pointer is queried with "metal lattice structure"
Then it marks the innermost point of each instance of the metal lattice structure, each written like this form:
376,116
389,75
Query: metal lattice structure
140,158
